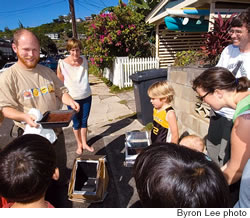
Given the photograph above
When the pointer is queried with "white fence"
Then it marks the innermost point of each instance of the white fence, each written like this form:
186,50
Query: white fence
123,67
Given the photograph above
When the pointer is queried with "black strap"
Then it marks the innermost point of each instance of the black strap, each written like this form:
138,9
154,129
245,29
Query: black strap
237,68
169,108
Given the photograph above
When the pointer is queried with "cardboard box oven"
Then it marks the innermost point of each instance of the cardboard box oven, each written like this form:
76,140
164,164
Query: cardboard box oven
135,142
89,179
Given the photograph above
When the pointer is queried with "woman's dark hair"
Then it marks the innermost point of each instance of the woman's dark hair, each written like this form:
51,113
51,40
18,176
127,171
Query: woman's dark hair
241,19
170,175
220,78
27,165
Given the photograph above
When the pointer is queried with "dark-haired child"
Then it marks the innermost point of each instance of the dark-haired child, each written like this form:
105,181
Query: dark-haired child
173,176
27,165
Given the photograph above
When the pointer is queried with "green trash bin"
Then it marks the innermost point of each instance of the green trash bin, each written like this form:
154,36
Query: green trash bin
142,80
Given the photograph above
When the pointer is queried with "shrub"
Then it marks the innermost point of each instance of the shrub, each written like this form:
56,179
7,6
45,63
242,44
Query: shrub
93,69
217,39
121,32
188,58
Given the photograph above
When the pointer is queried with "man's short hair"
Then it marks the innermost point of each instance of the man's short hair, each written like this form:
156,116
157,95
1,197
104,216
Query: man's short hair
27,165
170,175
18,34
241,19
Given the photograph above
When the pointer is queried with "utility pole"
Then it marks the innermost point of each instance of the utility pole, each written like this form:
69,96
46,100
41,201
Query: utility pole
73,18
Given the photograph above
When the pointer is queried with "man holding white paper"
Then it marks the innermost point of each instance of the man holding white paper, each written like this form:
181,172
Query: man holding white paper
27,84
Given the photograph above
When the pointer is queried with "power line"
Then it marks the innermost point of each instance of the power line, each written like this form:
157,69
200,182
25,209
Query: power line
91,4
103,3
78,3
25,10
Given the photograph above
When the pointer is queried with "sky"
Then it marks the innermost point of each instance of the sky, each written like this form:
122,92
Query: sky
32,13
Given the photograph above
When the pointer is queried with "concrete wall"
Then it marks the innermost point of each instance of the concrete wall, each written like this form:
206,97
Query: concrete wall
193,116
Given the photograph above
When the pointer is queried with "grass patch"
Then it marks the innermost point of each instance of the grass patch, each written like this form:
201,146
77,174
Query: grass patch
113,88
107,82
148,127
94,70
125,116
123,102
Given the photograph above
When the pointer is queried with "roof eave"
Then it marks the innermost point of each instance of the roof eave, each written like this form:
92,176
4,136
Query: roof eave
151,19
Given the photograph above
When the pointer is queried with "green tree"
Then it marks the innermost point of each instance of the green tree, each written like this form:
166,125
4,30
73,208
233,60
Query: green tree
7,34
118,32
143,6
48,46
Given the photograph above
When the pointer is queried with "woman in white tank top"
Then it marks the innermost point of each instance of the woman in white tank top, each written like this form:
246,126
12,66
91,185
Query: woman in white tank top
73,71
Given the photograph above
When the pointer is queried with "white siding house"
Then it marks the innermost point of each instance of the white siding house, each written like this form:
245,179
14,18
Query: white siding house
53,36
170,40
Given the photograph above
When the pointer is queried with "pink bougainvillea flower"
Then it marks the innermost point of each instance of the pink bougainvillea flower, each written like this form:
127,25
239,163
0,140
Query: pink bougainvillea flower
93,25
105,35
102,38
119,32
92,60
118,44
110,40
132,26
103,15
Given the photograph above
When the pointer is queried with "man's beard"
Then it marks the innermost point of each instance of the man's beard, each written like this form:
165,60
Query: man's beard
28,64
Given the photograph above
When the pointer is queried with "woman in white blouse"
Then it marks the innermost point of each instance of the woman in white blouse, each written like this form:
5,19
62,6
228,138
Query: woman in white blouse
73,71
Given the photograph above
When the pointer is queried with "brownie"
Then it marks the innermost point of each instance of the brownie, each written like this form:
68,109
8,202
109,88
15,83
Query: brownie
58,117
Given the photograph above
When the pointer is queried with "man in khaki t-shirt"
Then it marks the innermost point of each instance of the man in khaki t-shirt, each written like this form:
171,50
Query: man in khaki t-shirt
27,85
23,89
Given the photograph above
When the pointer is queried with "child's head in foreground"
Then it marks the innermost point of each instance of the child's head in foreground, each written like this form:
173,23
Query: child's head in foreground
27,166
193,142
170,175
161,91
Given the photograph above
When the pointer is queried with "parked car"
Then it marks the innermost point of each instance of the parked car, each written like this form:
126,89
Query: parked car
60,56
7,65
50,62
